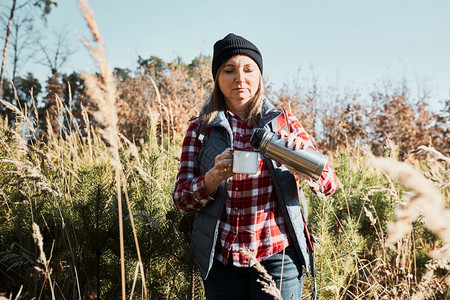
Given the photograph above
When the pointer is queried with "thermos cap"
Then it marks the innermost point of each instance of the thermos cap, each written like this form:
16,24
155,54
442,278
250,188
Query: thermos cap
256,138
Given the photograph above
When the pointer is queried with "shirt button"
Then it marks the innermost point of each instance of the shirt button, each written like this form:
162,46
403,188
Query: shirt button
234,232
236,189
241,135
235,208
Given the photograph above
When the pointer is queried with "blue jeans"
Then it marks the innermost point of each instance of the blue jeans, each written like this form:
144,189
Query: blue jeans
236,283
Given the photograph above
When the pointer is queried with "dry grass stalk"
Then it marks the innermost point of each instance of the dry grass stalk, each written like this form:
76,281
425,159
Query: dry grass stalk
435,155
269,285
35,112
424,199
26,171
131,148
136,272
18,293
103,92
42,260
369,214
436,168
21,148
23,118
430,285
162,107
87,129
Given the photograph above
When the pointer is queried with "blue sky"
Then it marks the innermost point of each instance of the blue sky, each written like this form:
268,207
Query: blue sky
355,43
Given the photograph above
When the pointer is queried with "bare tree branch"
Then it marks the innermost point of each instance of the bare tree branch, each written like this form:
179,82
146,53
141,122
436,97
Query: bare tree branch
5,49
23,40
57,55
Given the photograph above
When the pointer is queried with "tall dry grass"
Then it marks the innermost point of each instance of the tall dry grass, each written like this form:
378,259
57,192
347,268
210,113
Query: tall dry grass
354,261
376,240
68,182
423,200
380,235
103,92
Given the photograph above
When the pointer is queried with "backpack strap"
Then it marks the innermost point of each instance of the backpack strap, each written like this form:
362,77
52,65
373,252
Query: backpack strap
202,136
281,122
278,124
203,133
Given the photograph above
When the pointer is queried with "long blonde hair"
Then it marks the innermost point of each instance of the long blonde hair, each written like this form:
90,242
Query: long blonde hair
216,100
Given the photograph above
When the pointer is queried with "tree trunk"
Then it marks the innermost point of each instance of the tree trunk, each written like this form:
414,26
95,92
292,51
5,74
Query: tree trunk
5,49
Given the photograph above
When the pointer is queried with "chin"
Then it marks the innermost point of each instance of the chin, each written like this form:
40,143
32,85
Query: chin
244,96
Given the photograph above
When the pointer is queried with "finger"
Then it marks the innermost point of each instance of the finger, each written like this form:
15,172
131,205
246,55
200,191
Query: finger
227,163
298,144
289,140
228,151
283,133
226,154
227,167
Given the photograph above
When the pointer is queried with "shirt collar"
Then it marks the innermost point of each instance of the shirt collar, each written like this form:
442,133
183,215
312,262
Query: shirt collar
228,112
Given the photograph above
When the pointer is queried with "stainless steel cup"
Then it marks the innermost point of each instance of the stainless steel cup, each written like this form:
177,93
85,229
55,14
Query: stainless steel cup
245,162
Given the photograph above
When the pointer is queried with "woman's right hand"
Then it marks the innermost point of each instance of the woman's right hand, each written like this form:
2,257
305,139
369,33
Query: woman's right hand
292,139
223,169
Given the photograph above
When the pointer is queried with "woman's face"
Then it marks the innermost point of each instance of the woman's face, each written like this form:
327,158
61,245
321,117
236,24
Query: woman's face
239,80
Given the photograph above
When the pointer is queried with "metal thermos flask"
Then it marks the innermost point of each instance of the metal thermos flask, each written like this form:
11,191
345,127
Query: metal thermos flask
306,161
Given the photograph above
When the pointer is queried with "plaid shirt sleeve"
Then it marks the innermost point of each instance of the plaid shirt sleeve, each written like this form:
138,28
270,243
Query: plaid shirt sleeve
190,193
328,181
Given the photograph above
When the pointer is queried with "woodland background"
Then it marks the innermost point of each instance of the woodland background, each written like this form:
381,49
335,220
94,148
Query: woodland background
88,164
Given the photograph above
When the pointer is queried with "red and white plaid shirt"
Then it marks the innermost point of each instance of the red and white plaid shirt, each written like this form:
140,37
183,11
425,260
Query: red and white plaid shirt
251,218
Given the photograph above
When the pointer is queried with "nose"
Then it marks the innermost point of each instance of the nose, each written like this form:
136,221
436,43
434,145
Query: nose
240,78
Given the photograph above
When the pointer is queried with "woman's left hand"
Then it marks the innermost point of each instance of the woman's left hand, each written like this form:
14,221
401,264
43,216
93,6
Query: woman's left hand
223,169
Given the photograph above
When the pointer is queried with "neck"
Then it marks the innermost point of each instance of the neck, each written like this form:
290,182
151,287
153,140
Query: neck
240,110
242,113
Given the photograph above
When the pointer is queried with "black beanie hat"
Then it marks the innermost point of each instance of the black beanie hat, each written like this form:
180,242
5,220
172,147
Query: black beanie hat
232,45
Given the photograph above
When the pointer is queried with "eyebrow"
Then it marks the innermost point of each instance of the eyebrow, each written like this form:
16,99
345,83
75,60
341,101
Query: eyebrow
233,65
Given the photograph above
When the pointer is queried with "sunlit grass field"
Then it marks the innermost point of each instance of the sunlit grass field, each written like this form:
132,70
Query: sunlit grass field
87,212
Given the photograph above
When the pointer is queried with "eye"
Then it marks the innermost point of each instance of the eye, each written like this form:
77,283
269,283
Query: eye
229,69
249,68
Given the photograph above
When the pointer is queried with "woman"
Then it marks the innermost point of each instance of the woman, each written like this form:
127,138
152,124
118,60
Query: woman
261,212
